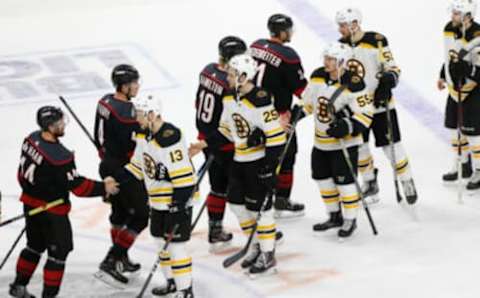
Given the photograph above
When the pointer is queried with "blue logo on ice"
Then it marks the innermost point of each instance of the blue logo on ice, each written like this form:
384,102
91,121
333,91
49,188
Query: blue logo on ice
75,73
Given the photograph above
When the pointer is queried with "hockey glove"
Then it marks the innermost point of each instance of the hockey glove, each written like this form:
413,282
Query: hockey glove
340,128
460,70
267,176
256,138
175,207
388,79
297,113
382,96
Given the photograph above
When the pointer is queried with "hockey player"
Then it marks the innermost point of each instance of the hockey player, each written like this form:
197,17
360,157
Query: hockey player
213,86
353,114
251,122
460,74
46,173
161,161
373,61
115,127
280,71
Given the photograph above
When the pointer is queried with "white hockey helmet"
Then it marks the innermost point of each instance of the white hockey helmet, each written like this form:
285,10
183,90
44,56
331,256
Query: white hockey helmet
341,52
148,104
244,64
463,6
348,15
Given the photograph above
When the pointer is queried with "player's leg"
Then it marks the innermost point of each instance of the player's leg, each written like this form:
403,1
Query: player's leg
471,128
59,245
368,171
284,206
451,176
30,256
349,195
322,174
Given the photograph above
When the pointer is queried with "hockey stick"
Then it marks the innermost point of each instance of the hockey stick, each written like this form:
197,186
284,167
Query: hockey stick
12,247
391,144
157,262
79,122
33,212
240,254
203,170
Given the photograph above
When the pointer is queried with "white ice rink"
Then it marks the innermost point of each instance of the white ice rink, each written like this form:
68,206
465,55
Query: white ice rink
69,46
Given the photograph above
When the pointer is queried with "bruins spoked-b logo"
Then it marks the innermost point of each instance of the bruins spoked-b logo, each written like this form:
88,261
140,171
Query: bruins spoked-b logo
323,115
241,126
152,170
356,67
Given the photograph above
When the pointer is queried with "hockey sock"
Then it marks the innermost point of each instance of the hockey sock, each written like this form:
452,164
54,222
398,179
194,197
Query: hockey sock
26,264
52,276
114,231
216,206
464,143
123,241
266,231
402,166
284,184
330,194
350,199
474,142
181,265
165,261
244,217
365,163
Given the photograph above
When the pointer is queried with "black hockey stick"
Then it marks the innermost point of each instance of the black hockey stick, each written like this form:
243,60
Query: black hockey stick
203,170
351,168
33,212
391,144
79,122
157,262
240,254
12,247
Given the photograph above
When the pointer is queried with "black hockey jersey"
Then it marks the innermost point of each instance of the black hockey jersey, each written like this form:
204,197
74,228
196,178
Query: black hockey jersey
213,86
280,72
115,127
47,172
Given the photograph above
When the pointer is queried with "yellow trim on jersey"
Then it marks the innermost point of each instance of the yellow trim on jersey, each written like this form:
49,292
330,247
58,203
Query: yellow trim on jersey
363,119
448,34
228,98
248,151
160,190
365,45
280,140
317,80
274,131
155,143
248,103
141,136
135,170
308,108
180,172
187,181
161,200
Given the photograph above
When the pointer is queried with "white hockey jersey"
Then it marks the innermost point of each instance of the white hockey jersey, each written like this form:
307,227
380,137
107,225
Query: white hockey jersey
371,55
162,162
241,116
453,43
353,102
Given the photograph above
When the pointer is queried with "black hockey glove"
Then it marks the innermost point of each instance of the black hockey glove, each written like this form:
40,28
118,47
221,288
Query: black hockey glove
340,128
462,54
388,79
459,71
267,176
256,138
175,207
383,93
297,113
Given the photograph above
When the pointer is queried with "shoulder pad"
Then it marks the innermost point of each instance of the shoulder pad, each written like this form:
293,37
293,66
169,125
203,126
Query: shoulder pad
260,97
286,53
373,38
55,153
228,97
214,73
168,135
449,27
473,31
344,40
354,82
319,73
123,111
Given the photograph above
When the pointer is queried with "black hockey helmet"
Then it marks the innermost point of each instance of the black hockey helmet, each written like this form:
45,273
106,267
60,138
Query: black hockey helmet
48,115
278,23
230,46
124,74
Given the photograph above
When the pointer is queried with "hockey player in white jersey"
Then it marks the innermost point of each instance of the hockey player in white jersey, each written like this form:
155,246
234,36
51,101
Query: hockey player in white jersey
373,61
161,161
339,122
250,121
461,75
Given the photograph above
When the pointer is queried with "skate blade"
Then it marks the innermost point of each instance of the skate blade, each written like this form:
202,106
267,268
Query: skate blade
109,280
372,200
472,193
455,183
288,214
219,247
269,272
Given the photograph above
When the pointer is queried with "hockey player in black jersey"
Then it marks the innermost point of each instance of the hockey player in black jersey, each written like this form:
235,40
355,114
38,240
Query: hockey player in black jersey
213,86
47,173
280,71
115,128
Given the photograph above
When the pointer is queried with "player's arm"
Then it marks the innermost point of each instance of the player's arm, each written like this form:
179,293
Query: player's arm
391,71
275,136
97,131
295,76
309,96
125,129
77,184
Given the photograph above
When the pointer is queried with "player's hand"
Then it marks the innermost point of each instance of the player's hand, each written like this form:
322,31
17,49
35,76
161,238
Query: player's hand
111,186
256,138
441,84
196,148
340,128
285,120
